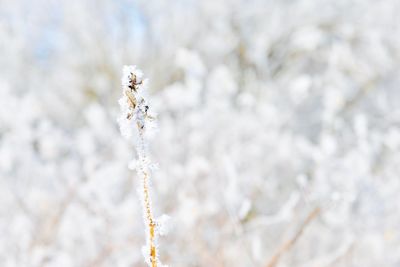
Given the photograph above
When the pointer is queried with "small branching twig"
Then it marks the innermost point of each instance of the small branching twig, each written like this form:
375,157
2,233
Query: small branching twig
285,247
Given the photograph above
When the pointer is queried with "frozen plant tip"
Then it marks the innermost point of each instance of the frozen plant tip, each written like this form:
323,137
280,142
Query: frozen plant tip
136,117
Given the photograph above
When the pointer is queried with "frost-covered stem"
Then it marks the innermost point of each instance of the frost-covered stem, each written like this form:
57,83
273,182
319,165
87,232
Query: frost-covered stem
136,114
147,211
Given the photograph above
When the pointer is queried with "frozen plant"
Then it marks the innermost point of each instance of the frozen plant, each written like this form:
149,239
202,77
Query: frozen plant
269,109
136,114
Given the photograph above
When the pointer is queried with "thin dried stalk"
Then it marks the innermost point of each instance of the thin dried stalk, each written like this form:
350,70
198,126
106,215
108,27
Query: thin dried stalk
147,208
292,241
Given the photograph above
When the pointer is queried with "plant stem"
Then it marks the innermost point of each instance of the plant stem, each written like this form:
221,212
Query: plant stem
147,200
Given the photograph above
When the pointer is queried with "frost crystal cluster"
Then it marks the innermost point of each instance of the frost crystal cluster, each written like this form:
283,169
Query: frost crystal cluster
136,115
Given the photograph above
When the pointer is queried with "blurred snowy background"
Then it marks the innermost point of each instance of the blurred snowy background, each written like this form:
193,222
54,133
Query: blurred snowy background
268,111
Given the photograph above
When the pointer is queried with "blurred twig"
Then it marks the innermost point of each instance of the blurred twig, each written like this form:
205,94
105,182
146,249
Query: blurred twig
361,93
291,242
